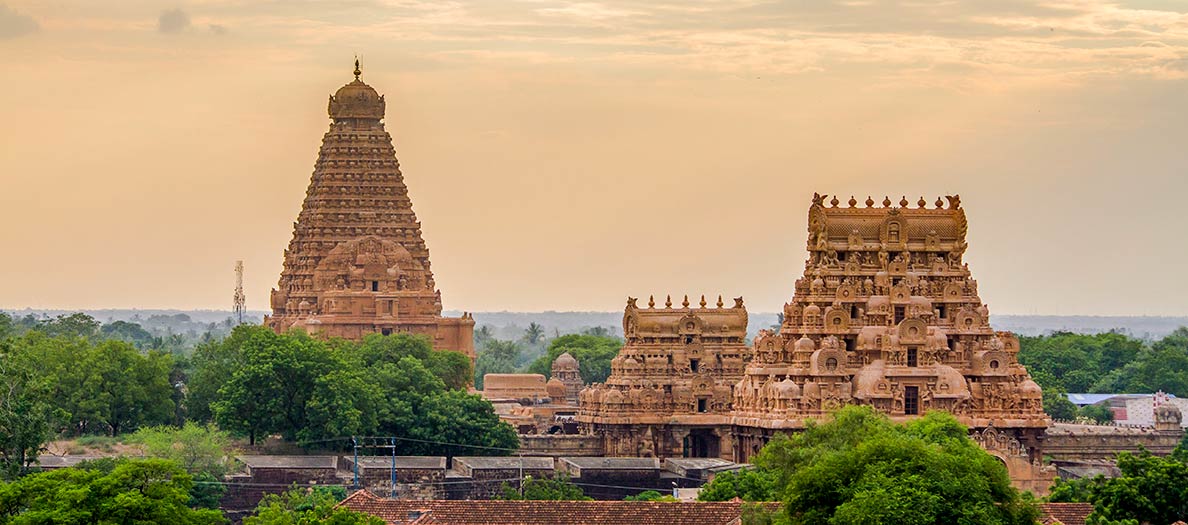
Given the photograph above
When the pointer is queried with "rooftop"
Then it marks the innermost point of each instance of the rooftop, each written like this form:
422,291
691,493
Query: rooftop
614,463
329,462
405,462
491,512
495,462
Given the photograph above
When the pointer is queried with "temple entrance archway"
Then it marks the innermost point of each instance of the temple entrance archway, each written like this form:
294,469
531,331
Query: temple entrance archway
702,443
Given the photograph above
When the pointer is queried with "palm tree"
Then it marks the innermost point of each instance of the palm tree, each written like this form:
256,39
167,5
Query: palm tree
534,333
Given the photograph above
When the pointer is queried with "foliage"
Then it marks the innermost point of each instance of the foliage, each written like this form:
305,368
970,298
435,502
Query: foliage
105,386
495,357
307,507
1097,413
559,488
651,495
593,352
196,448
861,468
257,383
126,491
534,333
129,333
26,413
1057,405
1107,363
747,485
1150,489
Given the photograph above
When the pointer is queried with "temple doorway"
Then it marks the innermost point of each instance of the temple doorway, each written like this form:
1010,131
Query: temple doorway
702,443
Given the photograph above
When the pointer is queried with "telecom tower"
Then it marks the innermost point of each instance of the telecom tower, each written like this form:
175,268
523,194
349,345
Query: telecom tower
239,297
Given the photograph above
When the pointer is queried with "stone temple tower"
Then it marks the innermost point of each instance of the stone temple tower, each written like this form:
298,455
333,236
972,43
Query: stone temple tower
357,264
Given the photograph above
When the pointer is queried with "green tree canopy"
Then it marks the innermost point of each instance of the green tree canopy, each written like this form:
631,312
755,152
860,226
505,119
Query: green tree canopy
308,507
860,468
593,352
559,488
131,491
1151,489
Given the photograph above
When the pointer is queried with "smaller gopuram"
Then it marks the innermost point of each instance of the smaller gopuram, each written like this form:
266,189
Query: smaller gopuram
669,392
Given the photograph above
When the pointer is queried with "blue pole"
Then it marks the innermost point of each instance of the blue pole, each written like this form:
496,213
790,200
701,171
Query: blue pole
393,468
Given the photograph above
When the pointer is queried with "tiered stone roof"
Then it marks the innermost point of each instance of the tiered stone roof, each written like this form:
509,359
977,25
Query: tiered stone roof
357,263
887,314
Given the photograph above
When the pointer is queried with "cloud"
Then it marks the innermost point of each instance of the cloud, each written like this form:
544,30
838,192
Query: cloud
14,24
173,21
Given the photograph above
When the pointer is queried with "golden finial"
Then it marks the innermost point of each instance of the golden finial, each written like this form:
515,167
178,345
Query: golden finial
357,72
703,300
720,303
651,301
685,303
668,301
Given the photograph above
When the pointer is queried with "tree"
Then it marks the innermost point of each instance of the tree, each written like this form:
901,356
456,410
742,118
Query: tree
26,414
1150,489
130,491
747,485
453,368
1100,414
495,357
455,423
7,326
195,448
593,352
651,495
112,387
537,489
861,468
1057,405
534,333
127,332
308,506
73,325
481,335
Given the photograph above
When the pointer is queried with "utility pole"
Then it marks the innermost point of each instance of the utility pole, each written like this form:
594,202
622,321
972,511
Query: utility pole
240,299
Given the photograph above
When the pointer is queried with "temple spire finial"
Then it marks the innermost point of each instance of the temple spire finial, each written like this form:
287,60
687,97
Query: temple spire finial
357,71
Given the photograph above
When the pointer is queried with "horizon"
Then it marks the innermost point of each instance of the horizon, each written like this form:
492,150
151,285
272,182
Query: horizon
564,156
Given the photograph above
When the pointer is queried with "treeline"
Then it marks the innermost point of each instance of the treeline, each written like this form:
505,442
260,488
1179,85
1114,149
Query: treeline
1107,363
534,352
64,378
176,333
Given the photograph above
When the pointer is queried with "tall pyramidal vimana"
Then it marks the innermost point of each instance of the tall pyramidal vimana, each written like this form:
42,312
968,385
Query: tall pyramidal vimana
357,263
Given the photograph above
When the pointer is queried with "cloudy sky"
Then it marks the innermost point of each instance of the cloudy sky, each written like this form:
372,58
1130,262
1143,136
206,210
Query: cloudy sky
563,155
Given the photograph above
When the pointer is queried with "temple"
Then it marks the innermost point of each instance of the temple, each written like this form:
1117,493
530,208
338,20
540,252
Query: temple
669,393
886,314
357,264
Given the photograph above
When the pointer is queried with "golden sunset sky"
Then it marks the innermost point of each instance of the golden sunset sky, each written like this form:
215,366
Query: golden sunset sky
564,155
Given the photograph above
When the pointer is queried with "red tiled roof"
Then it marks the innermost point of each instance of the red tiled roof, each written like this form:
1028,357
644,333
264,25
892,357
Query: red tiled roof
497,512
1066,513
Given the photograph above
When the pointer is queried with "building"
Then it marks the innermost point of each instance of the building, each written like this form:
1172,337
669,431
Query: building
669,392
357,263
887,314
534,406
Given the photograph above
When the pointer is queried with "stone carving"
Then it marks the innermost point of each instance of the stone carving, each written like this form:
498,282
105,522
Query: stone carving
357,264
673,376
905,334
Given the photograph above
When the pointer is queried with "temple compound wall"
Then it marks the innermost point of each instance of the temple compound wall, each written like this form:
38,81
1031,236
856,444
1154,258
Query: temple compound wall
357,263
886,314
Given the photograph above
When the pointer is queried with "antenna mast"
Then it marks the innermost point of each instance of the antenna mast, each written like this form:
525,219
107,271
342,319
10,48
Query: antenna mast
239,297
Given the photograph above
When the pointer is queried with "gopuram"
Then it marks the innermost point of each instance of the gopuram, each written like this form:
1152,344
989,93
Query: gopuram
886,314
357,264
669,392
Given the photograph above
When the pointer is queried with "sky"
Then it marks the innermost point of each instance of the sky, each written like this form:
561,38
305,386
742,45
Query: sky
563,155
